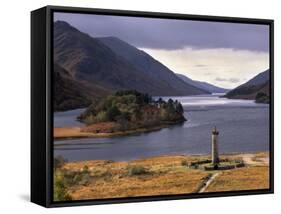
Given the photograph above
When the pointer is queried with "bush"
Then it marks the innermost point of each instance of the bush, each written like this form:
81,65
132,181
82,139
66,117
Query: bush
260,95
262,98
184,163
60,189
72,178
85,169
194,166
84,177
101,117
90,119
81,179
136,170
59,161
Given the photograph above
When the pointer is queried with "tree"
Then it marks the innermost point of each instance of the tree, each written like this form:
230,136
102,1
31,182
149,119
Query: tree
170,106
179,108
112,113
131,108
164,114
170,102
146,98
101,117
160,100
260,95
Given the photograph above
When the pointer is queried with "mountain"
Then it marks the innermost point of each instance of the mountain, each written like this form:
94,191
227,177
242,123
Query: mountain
162,76
249,90
150,67
203,85
91,60
72,94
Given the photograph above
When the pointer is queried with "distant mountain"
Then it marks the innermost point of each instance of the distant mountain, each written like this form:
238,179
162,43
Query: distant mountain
203,85
249,90
72,94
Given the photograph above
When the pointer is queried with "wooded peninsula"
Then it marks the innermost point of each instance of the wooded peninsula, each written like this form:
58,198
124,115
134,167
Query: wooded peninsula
122,113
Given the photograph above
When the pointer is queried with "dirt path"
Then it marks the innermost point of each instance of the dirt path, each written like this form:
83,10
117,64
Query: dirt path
249,159
208,182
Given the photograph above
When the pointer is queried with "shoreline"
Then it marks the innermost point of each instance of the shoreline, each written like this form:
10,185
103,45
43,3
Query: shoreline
68,133
240,97
168,156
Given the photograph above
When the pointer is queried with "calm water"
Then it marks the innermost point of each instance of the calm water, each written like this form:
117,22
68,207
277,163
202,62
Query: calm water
67,118
243,126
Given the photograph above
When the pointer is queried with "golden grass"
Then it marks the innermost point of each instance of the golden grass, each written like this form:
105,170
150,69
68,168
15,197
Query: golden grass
262,155
76,132
71,132
164,175
143,185
247,178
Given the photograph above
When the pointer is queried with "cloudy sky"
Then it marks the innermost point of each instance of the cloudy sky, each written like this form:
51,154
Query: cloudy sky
224,54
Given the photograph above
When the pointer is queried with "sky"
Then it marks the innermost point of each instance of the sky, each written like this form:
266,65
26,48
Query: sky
224,54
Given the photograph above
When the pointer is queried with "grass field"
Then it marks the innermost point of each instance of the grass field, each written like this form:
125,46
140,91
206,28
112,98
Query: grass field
246,178
163,175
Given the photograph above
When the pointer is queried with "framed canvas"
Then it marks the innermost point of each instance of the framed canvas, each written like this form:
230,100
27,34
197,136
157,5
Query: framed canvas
141,106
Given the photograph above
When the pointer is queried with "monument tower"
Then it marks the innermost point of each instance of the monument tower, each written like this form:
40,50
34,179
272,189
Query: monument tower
215,152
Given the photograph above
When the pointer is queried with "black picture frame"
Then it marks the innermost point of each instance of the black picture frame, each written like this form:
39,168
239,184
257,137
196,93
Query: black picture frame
42,113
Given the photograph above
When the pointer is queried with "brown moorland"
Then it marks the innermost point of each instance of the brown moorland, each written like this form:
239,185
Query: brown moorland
85,132
164,175
247,178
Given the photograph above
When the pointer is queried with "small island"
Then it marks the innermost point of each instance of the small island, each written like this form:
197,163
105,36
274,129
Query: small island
130,110
123,113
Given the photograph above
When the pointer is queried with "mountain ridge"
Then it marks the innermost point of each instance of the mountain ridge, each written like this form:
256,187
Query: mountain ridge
203,85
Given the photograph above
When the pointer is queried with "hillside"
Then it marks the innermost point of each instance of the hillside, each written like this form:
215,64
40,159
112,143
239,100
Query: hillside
254,88
203,85
72,94
90,60
162,76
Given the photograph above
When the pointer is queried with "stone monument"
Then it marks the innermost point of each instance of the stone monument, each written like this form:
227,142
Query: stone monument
215,151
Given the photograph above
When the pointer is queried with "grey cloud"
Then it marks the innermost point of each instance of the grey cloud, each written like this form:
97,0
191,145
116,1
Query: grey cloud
172,34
